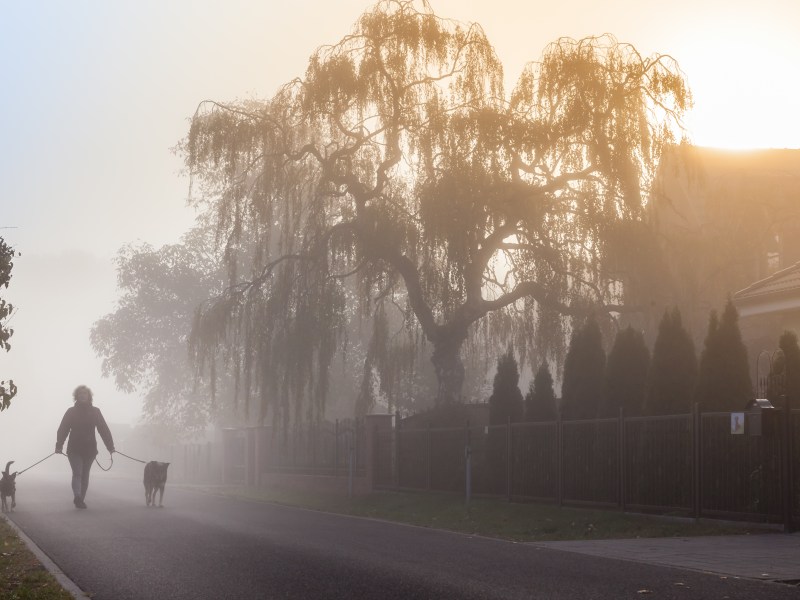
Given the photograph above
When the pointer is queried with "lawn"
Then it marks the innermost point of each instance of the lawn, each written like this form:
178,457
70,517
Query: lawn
22,576
491,517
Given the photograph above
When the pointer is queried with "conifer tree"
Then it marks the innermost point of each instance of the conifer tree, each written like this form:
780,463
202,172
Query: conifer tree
723,382
584,368
506,399
540,401
626,374
786,371
672,376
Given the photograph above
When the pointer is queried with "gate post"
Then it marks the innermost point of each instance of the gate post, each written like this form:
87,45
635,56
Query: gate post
428,456
621,437
787,471
696,460
560,459
509,469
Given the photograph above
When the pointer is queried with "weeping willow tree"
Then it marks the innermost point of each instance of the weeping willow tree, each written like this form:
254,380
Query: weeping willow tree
397,172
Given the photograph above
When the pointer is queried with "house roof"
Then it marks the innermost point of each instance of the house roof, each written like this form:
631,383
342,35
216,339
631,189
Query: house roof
779,292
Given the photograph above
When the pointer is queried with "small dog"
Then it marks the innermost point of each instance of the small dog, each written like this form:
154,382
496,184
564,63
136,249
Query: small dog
8,488
155,477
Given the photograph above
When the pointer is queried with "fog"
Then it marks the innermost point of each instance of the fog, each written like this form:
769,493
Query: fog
96,94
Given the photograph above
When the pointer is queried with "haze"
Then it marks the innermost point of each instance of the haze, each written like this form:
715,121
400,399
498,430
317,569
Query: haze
96,94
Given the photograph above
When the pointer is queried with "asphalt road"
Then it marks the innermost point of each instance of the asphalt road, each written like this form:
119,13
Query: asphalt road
201,546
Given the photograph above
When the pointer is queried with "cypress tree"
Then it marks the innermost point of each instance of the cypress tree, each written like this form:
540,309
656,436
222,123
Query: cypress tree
723,382
540,401
788,379
506,399
584,367
672,376
626,374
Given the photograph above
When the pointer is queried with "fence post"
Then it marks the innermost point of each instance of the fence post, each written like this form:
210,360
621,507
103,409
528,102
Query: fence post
560,459
467,464
355,443
508,459
622,478
396,453
428,457
788,483
350,456
697,454
336,448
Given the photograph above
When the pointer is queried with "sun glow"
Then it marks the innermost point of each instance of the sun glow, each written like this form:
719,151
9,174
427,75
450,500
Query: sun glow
745,86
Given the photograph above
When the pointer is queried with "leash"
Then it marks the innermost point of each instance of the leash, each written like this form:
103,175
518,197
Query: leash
144,462
111,456
95,460
36,463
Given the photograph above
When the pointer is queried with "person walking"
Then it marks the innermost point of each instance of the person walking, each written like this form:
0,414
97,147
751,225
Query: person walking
80,422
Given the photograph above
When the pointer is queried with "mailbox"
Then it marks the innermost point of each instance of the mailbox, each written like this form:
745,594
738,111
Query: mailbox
761,417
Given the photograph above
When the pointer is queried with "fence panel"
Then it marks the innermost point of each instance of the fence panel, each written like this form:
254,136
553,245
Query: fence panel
447,459
795,430
489,459
383,453
591,461
740,474
658,459
534,455
323,448
412,458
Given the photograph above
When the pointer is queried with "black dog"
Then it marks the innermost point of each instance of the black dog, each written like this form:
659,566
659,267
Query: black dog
8,488
155,477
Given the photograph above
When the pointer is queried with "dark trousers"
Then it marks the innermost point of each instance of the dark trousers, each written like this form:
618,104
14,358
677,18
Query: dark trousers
81,464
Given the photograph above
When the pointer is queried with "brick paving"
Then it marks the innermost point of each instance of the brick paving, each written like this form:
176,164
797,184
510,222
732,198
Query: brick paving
771,556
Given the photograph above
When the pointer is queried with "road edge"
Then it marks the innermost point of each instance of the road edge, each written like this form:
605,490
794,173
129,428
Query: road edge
65,582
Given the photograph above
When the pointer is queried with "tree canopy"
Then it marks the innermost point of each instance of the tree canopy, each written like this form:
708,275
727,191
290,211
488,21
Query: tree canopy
506,399
723,380
540,401
626,374
399,161
143,343
672,376
584,374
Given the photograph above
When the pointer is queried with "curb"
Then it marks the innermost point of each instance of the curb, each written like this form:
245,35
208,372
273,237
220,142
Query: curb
65,582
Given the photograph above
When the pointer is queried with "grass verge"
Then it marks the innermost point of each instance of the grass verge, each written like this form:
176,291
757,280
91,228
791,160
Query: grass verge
22,576
491,517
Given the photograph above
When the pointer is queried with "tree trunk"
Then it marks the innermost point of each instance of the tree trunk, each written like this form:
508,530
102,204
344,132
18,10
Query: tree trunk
446,361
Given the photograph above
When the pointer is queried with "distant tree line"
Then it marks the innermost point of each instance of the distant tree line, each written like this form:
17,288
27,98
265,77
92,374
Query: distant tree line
669,381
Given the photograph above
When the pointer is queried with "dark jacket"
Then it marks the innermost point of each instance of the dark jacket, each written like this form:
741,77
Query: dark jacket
80,423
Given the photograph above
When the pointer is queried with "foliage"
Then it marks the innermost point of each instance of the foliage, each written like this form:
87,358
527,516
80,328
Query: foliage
723,381
626,374
672,376
506,399
583,384
540,401
399,161
22,575
143,343
785,372
7,388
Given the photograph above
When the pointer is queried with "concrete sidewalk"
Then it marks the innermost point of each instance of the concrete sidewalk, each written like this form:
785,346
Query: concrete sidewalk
771,556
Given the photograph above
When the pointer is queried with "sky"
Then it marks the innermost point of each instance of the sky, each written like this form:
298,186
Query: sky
95,95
